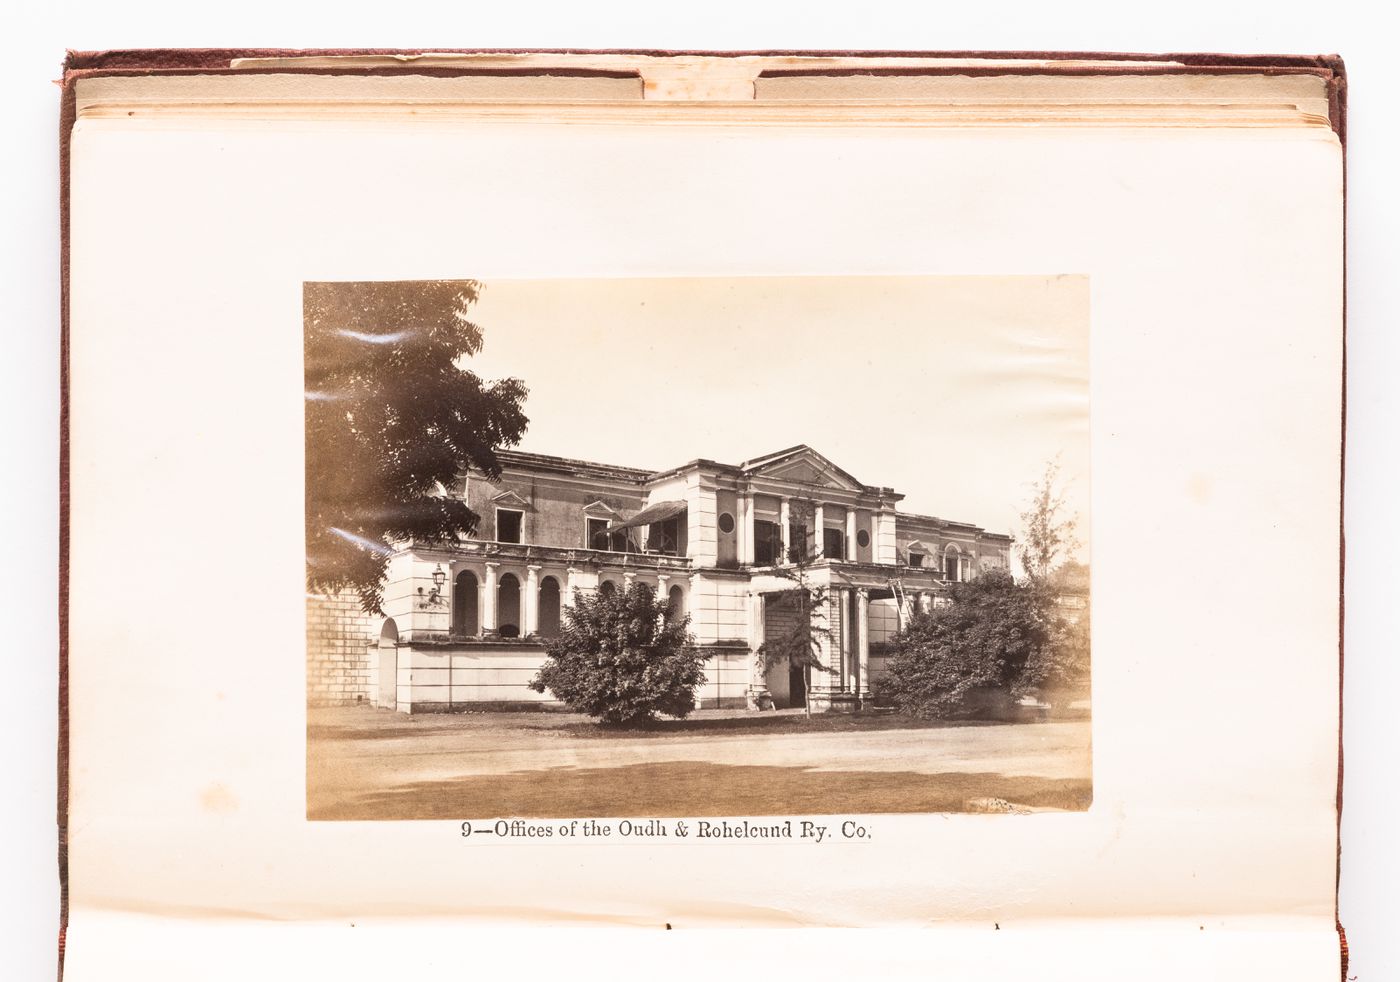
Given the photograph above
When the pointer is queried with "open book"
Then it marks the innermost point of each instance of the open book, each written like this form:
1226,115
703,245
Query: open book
703,491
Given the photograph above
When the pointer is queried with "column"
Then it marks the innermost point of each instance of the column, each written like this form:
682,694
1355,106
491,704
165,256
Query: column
820,683
476,599
628,578
863,645
785,520
818,531
850,533
843,599
661,598
925,603
756,624
758,682
746,514
488,600
532,601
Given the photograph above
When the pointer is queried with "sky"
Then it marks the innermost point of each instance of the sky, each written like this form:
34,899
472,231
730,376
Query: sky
955,391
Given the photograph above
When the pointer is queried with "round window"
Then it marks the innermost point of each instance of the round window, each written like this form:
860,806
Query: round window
726,523
863,539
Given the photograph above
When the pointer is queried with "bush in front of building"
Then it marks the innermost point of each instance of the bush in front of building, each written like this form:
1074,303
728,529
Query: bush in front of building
1057,673
622,659
967,660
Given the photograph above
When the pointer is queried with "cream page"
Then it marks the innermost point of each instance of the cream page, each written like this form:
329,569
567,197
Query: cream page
1213,263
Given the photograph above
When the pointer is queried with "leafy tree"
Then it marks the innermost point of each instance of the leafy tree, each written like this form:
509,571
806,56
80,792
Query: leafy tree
391,419
966,658
622,659
1071,579
1047,537
1058,671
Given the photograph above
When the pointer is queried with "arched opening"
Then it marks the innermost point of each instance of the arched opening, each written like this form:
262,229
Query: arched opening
508,606
465,603
675,605
953,568
607,588
549,607
386,667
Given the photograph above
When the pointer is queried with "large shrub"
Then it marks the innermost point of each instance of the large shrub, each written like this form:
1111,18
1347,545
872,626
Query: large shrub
1058,671
967,659
621,659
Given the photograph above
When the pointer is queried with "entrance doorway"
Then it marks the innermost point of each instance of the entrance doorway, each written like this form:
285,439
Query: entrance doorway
782,618
797,686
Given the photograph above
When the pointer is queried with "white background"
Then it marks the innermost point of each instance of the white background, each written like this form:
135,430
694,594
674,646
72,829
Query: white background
31,294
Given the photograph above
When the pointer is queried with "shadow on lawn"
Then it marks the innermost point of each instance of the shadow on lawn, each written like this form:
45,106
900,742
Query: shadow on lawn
865,722
690,788
570,725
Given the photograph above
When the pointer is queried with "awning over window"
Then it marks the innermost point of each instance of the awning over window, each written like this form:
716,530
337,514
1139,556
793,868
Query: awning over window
652,514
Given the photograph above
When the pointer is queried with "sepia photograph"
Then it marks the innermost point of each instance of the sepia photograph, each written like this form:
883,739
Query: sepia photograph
749,546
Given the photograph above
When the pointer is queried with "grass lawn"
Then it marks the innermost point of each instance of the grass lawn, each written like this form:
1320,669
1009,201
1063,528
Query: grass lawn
370,764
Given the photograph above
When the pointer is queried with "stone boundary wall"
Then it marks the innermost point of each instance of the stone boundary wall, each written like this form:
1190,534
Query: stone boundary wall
472,676
339,640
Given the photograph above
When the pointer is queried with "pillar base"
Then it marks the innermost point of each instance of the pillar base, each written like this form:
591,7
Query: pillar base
828,701
759,698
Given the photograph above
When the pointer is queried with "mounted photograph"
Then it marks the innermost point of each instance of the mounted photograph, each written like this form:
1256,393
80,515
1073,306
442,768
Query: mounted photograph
709,546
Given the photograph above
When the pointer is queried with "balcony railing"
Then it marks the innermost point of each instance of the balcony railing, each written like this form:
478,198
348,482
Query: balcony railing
487,549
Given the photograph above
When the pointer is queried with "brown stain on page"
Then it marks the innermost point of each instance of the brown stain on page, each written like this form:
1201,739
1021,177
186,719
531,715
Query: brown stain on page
218,799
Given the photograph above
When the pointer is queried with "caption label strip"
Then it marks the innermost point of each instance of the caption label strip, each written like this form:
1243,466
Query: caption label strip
657,828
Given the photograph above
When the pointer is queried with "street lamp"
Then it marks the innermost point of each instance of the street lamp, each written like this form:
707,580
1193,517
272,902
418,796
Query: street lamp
434,597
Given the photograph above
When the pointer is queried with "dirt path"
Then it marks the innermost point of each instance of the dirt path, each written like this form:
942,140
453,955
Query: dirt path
365,763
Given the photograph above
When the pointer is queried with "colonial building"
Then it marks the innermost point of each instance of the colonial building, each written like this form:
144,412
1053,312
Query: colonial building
464,626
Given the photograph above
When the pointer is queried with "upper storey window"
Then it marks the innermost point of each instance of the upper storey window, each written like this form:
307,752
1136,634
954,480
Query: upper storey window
797,542
598,537
509,524
664,537
834,544
767,543
599,531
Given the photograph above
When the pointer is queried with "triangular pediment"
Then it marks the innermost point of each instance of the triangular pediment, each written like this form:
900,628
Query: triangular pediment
597,509
803,465
510,499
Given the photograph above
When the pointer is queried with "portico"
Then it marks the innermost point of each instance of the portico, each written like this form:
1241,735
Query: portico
844,635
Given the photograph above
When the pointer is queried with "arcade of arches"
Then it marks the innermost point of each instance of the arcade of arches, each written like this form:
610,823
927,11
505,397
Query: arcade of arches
515,616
